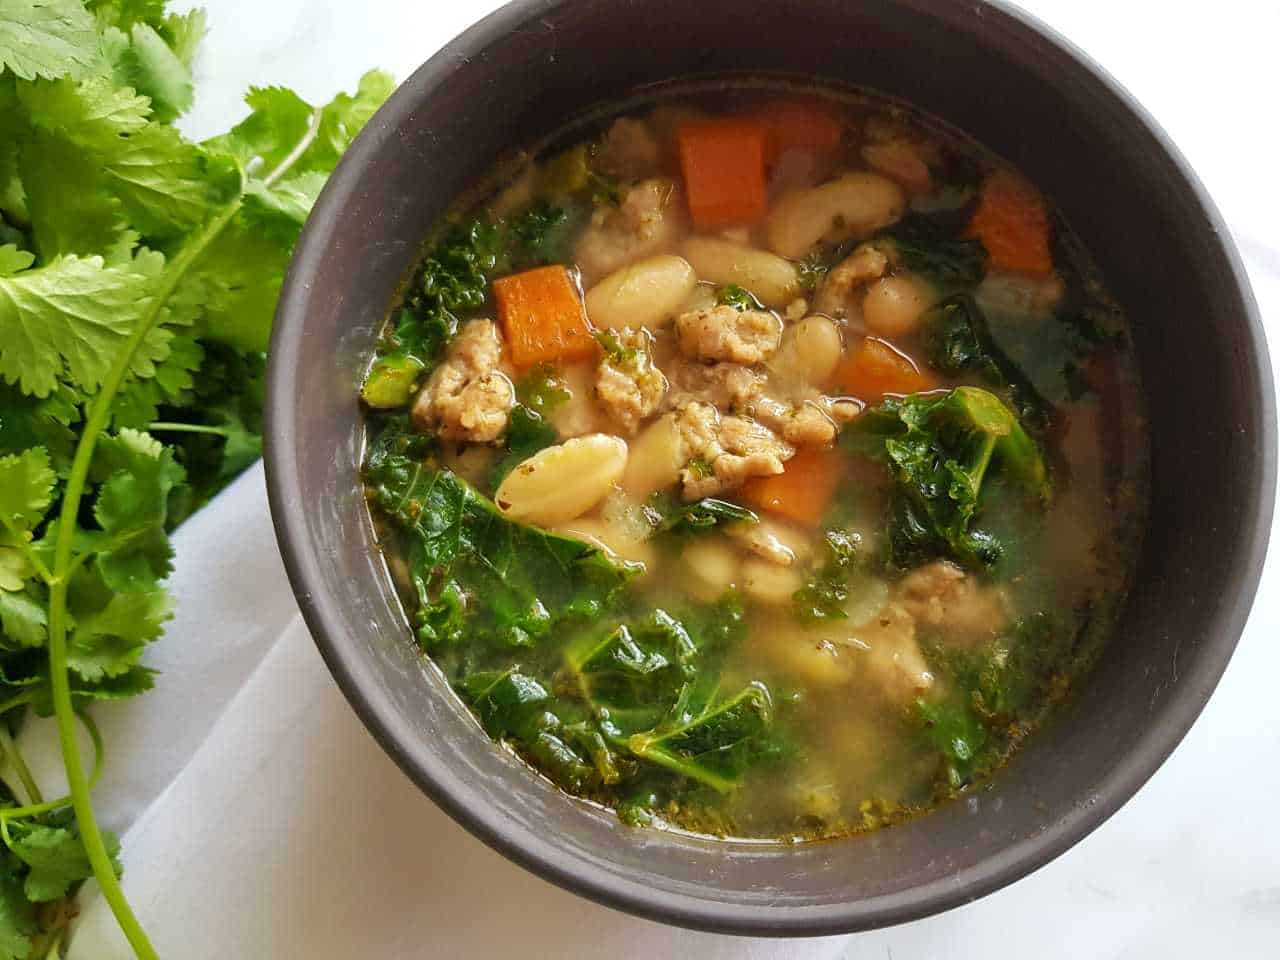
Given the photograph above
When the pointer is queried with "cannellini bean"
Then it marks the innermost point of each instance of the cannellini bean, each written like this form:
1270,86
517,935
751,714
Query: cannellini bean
581,413
809,657
657,455
703,297
714,568
893,306
774,280
855,204
560,483
610,539
809,352
643,294
867,597
769,582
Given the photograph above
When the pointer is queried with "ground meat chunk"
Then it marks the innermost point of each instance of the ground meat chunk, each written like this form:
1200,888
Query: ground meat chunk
645,222
467,398
806,420
940,594
865,264
628,385
893,656
726,451
726,386
727,333
630,150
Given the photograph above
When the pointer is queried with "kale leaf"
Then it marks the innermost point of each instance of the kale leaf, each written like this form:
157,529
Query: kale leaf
958,342
927,246
940,451
673,516
824,594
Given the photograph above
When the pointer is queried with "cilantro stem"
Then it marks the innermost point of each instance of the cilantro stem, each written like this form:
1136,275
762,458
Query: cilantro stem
59,679
19,700
294,155
48,806
187,428
14,756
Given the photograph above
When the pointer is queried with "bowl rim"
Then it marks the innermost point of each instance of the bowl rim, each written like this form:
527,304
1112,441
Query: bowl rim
544,859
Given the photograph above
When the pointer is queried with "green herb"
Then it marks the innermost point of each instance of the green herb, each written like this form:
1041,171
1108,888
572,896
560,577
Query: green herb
734,296
527,433
928,247
542,389
940,452
138,277
812,269
824,594
958,341
669,515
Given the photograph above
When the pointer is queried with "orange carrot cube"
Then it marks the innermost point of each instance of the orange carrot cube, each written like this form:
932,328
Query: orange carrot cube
543,317
802,492
1013,224
876,368
723,166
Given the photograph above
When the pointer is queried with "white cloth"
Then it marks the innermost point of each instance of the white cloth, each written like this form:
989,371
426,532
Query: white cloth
261,821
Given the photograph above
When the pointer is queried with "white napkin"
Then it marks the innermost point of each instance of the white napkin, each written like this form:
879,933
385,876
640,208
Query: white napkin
261,821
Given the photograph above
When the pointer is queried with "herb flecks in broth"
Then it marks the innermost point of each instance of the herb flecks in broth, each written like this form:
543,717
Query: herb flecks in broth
759,463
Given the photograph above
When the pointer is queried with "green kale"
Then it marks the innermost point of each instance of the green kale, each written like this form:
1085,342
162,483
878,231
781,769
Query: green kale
927,247
998,692
527,433
958,342
673,516
824,595
940,451
544,233
475,572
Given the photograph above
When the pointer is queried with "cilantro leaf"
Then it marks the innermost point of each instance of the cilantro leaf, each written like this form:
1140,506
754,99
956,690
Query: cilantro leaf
48,38
23,619
69,318
132,509
26,488
17,920
12,260
56,857
148,64
108,642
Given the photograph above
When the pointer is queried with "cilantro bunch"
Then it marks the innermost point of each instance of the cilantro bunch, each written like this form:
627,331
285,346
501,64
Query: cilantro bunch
138,277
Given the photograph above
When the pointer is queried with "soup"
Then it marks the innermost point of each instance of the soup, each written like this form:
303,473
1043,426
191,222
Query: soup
758,461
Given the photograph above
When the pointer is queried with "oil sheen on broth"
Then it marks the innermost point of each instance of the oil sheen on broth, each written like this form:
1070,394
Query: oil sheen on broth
758,461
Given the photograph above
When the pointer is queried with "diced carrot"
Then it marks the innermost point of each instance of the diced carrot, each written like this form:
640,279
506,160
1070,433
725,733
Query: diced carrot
799,125
723,165
1013,224
802,491
875,368
542,315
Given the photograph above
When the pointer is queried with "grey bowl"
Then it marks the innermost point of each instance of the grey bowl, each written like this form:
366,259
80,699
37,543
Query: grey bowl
1031,96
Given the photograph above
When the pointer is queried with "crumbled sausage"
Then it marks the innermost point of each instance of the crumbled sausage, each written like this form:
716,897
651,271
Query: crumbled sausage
644,222
865,264
727,386
893,655
808,420
628,385
727,333
467,398
940,594
630,150
726,451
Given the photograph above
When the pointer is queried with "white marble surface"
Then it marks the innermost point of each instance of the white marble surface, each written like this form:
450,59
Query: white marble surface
1190,868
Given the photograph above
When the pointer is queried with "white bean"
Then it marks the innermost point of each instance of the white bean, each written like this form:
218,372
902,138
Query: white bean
608,538
644,294
853,205
893,306
769,582
774,280
809,353
714,567
657,455
560,483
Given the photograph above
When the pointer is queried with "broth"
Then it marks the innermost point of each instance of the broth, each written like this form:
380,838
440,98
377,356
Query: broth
759,460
